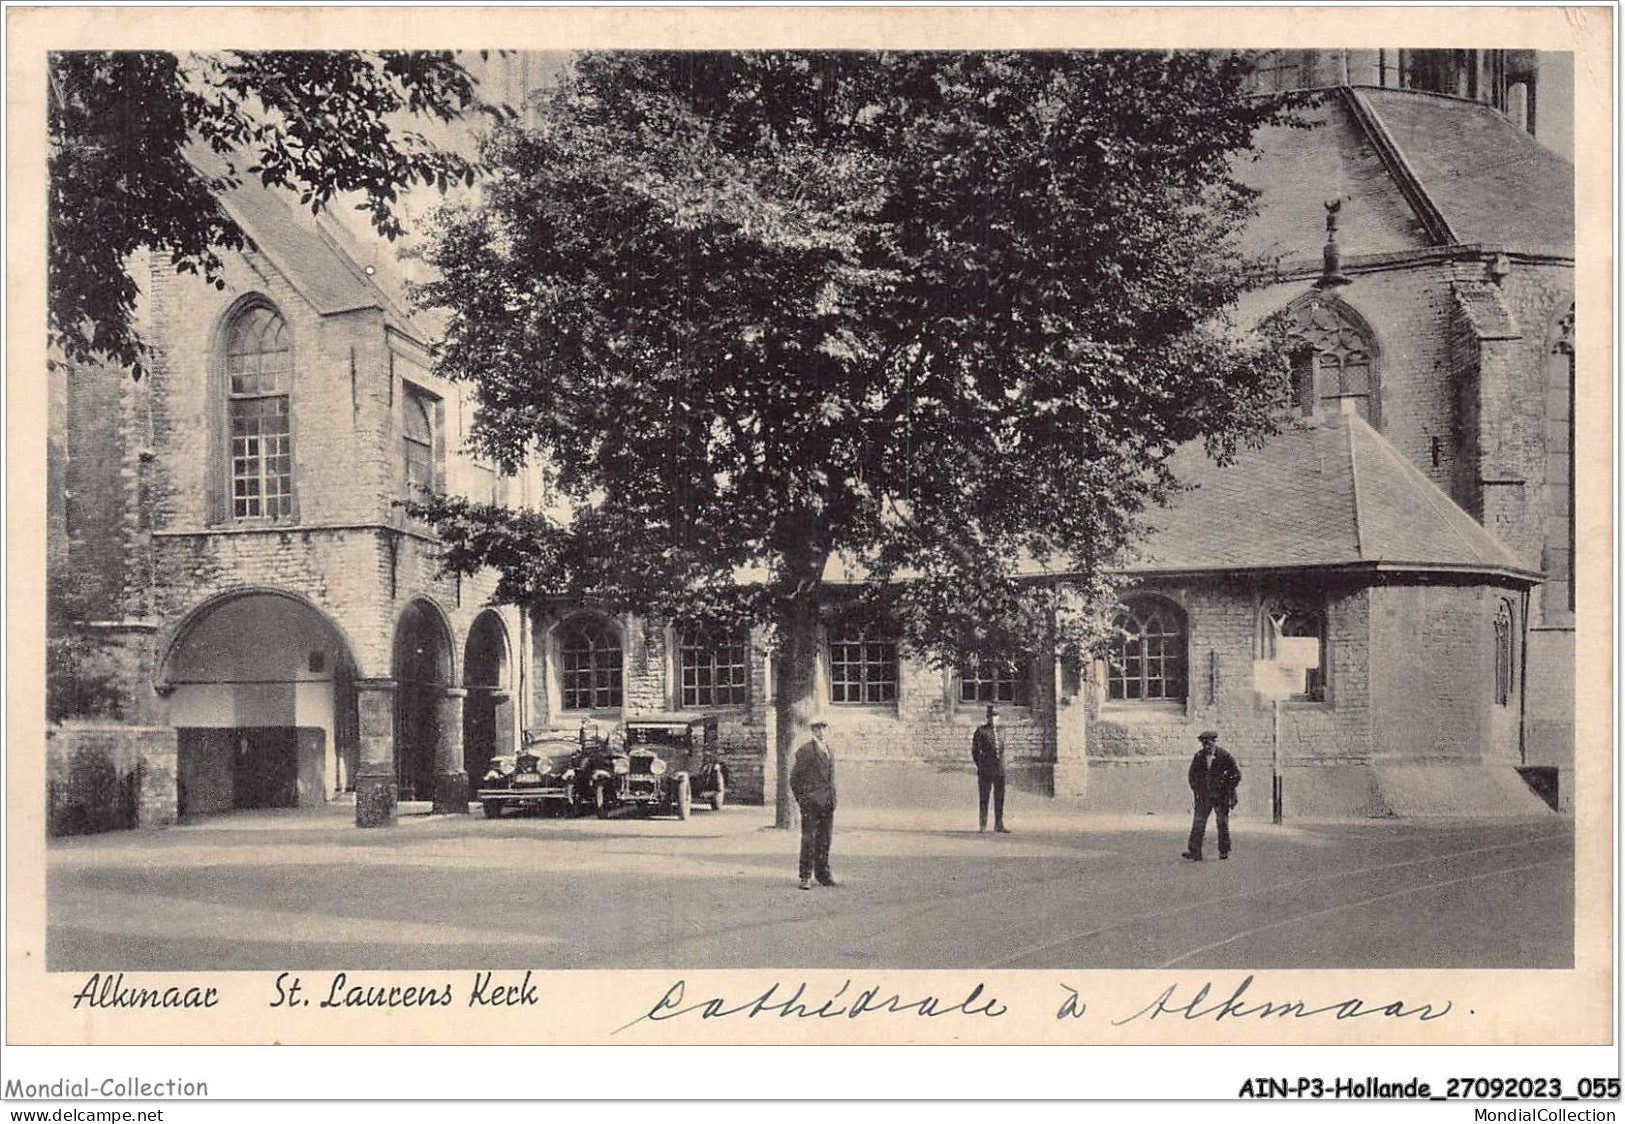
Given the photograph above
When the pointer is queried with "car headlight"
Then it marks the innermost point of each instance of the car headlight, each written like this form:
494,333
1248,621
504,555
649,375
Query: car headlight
657,767
622,766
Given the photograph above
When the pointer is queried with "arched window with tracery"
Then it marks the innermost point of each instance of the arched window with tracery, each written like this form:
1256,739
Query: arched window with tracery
259,370
1334,358
589,665
1505,653
1292,647
1146,661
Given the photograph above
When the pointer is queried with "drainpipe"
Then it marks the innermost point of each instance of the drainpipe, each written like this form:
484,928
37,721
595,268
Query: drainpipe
1277,781
522,706
1523,680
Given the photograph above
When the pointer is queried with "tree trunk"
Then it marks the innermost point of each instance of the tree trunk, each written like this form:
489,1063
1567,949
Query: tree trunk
797,695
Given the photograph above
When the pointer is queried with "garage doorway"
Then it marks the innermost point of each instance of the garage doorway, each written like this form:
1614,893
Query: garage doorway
261,693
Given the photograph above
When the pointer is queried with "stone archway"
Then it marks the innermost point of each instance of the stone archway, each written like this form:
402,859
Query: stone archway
261,690
488,709
422,671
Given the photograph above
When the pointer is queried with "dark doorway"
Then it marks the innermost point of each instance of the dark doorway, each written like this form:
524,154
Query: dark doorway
422,674
479,734
415,736
265,770
487,727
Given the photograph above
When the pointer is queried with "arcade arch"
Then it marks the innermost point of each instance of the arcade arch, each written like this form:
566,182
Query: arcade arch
261,691
423,675
488,709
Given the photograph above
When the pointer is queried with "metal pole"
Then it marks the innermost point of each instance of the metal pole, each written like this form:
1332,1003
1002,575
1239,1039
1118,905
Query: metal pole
1275,763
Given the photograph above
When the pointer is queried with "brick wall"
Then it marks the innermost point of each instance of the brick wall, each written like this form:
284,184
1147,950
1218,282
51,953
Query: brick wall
143,517
99,470
1513,395
1408,310
106,777
1222,627
1430,373
1487,397
1433,664
929,724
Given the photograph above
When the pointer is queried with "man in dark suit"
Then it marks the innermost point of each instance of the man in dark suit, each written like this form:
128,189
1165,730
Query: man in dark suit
987,750
812,782
1213,778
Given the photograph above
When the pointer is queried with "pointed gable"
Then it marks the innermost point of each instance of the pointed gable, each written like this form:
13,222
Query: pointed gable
1421,169
313,259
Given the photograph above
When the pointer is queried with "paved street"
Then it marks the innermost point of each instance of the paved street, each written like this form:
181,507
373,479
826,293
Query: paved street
920,888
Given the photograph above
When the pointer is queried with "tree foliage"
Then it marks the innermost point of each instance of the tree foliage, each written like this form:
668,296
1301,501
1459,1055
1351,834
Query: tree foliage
143,143
945,315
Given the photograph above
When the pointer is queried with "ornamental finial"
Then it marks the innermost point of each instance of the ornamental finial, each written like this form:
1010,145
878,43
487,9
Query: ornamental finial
1331,271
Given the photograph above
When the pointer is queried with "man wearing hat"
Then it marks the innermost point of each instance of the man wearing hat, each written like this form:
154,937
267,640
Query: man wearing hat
1213,777
812,782
987,750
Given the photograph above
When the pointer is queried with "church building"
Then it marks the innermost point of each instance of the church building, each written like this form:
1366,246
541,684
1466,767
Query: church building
1377,607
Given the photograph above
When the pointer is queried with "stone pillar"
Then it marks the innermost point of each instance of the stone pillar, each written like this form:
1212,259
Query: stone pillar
1072,692
376,791
450,779
502,708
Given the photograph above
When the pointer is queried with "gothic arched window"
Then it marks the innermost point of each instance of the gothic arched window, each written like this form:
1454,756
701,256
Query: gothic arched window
1333,358
418,442
259,369
1505,652
589,665
1147,657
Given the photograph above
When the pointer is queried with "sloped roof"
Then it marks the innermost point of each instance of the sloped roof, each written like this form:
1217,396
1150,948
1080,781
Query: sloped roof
315,260
1490,180
1328,495
1417,169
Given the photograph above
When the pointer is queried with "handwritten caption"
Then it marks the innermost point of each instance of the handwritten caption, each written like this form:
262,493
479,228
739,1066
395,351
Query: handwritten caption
682,1002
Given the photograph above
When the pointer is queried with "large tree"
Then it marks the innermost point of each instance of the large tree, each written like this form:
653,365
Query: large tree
943,314
143,143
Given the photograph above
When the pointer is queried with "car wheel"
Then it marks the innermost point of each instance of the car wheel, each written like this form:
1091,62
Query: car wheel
685,797
600,802
720,796
491,809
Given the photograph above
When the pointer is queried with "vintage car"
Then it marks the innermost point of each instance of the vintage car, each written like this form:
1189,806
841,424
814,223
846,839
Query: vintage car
541,775
637,770
688,744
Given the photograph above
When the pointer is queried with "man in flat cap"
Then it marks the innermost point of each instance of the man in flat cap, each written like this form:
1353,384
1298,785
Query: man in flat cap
1213,777
987,750
812,783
